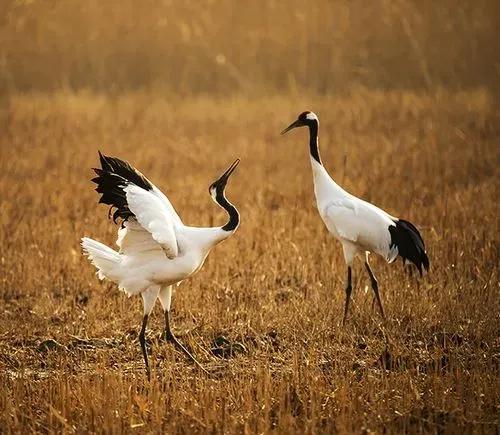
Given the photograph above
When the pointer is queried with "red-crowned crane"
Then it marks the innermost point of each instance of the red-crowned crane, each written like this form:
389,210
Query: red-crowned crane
360,227
156,250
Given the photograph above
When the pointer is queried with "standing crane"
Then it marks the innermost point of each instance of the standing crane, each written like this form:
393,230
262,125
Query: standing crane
156,250
360,226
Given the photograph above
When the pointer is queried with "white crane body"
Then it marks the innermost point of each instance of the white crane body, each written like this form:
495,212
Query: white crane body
361,227
156,250
141,261
354,222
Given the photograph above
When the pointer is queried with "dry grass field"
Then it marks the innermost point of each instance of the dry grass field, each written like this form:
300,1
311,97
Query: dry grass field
407,94
70,359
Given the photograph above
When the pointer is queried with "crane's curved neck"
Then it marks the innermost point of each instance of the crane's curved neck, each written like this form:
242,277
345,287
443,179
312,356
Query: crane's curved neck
234,216
313,140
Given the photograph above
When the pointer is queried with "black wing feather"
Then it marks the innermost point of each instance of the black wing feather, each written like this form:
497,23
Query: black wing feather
410,244
113,176
125,170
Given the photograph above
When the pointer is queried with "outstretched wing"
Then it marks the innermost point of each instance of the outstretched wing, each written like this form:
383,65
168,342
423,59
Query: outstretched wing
134,196
170,208
122,169
153,216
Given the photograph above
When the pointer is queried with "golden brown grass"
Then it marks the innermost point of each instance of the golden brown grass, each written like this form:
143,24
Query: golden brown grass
69,356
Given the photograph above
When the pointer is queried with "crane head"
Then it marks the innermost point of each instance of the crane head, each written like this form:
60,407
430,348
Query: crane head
218,185
304,119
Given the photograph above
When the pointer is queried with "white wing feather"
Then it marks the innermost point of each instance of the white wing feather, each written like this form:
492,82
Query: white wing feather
339,216
154,216
175,217
133,239
362,223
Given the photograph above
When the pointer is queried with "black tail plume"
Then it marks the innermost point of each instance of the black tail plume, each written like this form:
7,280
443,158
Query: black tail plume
410,244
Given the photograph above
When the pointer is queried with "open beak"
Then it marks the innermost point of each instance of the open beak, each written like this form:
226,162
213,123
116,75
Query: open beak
224,177
292,126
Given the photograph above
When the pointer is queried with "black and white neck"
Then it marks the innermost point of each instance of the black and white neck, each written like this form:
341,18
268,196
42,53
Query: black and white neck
234,217
313,123
216,190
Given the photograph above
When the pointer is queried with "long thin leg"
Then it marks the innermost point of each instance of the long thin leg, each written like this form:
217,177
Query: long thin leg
142,340
348,290
171,337
148,298
375,287
165,297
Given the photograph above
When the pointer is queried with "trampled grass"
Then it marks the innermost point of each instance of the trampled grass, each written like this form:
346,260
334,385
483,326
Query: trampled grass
69,356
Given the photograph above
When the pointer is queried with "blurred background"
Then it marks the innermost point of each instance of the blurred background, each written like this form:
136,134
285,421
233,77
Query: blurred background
221,47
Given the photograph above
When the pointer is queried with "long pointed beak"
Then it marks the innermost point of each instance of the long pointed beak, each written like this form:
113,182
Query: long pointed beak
292,126
229,171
